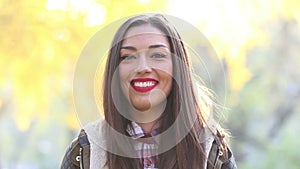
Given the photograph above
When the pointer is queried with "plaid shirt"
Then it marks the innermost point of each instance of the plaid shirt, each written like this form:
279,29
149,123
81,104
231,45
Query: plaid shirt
147,146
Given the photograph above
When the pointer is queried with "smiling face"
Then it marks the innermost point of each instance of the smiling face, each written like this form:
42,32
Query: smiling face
146,67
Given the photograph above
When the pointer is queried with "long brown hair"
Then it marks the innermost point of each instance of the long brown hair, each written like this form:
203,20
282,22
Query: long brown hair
181,103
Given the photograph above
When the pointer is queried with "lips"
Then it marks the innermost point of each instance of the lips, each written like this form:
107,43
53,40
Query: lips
143,84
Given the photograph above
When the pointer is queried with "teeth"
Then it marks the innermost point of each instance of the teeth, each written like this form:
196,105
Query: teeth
144,84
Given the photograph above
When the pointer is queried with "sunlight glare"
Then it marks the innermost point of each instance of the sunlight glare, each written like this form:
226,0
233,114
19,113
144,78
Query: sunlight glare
56,4
143,1
96,15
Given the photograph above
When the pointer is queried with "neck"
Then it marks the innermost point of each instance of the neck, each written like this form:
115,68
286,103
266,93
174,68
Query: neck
148,119
149,127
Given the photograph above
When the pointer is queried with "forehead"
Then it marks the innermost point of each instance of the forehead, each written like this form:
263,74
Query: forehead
144,34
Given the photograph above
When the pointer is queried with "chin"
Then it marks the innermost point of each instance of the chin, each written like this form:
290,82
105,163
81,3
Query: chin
142,107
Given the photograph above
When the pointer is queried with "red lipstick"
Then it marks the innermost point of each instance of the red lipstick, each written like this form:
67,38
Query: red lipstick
143,84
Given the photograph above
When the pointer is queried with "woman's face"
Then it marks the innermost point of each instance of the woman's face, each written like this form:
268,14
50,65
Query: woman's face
146,67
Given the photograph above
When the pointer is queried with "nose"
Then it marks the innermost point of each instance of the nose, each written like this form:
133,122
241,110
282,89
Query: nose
143,65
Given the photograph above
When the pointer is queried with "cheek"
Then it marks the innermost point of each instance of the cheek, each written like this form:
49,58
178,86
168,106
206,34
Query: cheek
166,75
168,71
170,83
123,72
166,67
170,77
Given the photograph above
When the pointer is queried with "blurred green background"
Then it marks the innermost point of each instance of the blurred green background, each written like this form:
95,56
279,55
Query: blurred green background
258,41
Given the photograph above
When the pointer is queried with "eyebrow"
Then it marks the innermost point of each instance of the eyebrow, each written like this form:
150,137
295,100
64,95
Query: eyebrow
150,47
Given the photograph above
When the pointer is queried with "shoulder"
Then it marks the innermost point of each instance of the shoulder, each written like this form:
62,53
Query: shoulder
220,155
86,147
73,155
95,130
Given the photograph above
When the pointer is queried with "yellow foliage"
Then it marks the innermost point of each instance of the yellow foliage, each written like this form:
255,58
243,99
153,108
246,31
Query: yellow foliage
291,9
72,121
40,41
239,75
23,122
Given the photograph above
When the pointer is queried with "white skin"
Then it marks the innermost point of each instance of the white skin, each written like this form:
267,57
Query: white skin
146,73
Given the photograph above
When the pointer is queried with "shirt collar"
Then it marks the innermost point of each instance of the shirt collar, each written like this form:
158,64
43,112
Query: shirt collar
136,131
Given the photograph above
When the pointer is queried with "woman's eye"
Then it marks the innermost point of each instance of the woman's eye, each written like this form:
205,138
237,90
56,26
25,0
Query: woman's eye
159,55
127,57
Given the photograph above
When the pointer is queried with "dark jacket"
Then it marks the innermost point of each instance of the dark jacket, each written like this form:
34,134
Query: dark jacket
77,155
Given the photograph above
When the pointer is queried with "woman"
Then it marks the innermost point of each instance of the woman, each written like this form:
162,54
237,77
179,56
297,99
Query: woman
152,116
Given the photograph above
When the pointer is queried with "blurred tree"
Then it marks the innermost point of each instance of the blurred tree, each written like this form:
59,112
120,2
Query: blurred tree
257,41
266,108
39,44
